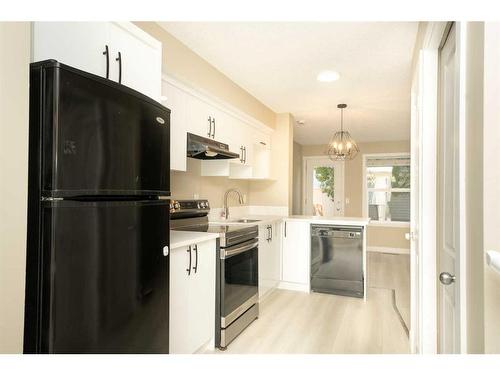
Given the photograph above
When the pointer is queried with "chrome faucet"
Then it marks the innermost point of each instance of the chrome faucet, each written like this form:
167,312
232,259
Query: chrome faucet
226,196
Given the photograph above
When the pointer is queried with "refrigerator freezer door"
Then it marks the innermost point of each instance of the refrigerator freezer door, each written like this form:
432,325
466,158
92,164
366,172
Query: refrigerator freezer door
99,137
105,278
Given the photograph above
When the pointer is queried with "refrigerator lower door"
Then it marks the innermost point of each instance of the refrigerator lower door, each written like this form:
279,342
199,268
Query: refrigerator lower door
104,277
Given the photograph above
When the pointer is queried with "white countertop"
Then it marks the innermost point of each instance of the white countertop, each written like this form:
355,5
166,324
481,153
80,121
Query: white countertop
268,219
334,220
180,238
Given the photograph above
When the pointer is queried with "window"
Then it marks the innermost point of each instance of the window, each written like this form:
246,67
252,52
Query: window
387,188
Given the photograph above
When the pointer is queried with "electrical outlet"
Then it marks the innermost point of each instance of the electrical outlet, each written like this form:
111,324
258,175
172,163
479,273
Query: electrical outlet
347,201
196,196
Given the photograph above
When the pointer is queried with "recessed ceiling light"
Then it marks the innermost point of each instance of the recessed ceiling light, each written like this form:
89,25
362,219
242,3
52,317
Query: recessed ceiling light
328,76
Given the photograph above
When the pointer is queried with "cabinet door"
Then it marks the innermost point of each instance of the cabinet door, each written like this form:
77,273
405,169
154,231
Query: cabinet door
199,115
202,295
265,259
275,268
180,296
261,158
78,44
176,101
140,59
296,244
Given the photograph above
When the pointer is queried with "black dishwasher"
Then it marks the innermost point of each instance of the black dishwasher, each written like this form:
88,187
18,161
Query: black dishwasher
337,260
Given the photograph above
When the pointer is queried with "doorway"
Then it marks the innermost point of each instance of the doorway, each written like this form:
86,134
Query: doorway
323,187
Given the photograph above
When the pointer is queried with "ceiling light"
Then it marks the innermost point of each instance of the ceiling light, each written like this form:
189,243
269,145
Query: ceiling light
328,76
342,146
301,122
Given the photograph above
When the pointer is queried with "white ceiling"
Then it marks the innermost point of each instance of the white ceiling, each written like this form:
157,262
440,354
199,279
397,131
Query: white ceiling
277,62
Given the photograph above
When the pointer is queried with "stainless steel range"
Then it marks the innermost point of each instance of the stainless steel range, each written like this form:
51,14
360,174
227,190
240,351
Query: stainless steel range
237,288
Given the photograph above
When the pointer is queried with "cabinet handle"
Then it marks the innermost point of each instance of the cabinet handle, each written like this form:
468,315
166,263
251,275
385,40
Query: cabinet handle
245,158
241,154
189,268
268,233
106,53
271,227
285,228
119,59
209,133
195,268
213,134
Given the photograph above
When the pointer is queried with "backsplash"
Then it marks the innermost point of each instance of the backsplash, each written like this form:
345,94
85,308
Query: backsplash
189,185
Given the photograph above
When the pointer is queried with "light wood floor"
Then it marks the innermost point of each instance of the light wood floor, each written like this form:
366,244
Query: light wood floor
294,322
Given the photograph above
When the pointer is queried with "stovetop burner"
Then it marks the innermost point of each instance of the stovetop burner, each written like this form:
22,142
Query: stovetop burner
192,216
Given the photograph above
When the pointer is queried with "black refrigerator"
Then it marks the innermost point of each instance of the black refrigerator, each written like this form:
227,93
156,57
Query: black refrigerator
97,277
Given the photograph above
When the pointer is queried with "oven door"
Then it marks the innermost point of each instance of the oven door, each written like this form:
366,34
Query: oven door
239,284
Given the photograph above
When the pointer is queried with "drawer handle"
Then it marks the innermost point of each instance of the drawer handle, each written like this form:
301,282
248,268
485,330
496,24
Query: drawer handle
195,268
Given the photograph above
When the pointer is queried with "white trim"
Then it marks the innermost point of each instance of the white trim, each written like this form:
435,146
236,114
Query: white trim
461,35
140,34
216,102
388,250
294,286
389,224
304,178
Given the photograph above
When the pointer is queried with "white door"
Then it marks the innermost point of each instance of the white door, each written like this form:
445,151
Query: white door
449,208
324,187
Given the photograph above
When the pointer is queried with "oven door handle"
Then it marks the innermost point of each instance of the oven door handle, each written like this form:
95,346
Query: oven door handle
238,250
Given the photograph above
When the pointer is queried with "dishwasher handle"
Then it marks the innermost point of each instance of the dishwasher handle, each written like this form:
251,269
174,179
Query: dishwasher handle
336,232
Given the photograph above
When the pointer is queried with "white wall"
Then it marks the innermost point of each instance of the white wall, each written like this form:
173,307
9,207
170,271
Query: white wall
491,183
14,80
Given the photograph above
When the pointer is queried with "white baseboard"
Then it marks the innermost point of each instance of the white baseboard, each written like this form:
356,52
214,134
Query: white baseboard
293,286
388,250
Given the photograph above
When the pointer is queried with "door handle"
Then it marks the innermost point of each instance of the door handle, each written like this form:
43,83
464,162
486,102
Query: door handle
209,126
213,133
446,278
195,268
189,267
119,59
106,53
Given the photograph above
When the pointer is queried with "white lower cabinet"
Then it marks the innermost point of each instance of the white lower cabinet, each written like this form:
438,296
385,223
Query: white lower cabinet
192,297
269,257
295,253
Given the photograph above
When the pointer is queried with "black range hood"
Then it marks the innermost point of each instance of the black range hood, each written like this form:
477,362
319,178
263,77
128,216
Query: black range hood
208,149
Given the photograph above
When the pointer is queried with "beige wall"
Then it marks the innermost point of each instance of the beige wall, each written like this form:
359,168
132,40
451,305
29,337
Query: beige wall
279,191
491,186
181,62
14,79
377,236
297,179
184,185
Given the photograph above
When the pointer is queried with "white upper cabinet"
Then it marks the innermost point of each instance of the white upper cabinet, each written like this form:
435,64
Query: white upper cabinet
100,48
78,44
178,105
137,57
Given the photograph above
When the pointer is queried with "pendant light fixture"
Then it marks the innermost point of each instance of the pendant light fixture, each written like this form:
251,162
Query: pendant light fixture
342,146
